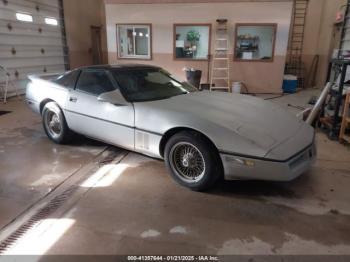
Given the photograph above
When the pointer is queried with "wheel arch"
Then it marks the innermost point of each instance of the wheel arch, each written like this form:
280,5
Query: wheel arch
43,103
171,132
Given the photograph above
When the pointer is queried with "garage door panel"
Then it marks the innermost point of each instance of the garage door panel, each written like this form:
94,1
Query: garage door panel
38,17
4,22
29,33
26,62
12,39
25,71
31,47
48,3
31,53
6,49
11,8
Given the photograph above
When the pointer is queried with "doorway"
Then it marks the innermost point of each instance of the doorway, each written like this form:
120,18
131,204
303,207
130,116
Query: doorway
96,46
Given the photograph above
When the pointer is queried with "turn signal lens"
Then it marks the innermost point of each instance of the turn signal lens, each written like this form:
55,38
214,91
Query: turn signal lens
249,163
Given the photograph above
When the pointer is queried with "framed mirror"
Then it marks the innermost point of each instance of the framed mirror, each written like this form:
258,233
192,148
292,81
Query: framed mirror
255,42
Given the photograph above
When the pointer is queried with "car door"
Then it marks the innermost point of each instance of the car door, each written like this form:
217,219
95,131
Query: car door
100,120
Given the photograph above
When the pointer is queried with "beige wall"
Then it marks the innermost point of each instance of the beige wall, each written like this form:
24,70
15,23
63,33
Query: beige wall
258,76
184,1
321,36
79,16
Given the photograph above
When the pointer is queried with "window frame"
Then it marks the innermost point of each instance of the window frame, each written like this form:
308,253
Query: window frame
108,74
191,24
275,27
135,57
124,92
77,71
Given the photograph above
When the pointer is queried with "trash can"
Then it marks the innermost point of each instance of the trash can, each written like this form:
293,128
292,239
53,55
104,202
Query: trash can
194,77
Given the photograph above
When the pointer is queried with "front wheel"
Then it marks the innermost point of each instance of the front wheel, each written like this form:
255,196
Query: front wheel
192,161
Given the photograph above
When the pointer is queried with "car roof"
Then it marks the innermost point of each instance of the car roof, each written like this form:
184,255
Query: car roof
121,67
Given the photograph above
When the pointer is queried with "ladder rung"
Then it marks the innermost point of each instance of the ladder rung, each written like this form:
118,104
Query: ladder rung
220,58
221,49
221,39
220,87
220,78
220,68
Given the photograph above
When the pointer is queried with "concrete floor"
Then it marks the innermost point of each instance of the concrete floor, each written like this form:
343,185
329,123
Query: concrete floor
30,165
133,206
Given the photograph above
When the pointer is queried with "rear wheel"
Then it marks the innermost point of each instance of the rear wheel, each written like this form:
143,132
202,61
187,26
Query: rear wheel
192,161
55,124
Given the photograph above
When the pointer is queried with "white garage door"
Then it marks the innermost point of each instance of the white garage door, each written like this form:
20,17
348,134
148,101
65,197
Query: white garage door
32,39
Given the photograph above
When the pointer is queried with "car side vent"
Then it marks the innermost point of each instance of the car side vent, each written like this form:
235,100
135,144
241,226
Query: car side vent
142,140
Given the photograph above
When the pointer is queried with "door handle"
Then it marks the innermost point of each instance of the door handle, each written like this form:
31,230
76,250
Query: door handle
73,99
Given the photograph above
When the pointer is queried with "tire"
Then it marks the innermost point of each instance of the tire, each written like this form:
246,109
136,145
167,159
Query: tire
192,161
55,124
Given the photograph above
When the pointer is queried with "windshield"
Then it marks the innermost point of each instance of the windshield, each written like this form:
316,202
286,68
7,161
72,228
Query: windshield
139,85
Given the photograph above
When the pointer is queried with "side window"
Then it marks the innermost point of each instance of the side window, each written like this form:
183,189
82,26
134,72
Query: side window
69,79
94,82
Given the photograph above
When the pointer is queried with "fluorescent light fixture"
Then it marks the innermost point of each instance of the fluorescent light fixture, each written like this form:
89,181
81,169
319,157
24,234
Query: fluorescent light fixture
141,34
134,33
51,21
24,17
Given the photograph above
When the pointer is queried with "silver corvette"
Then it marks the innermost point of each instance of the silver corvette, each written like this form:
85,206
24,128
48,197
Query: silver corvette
202,135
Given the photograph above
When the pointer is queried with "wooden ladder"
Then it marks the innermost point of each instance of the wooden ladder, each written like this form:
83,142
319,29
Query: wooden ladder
220,71
295,65
346,120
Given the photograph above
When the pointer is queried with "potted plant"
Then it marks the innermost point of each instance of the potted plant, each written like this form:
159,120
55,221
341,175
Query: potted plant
193,37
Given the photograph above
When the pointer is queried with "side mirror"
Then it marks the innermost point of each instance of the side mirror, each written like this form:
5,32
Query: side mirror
189,86
113,97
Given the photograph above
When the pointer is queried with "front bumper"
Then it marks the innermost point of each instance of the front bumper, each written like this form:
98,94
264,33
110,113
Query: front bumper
247,168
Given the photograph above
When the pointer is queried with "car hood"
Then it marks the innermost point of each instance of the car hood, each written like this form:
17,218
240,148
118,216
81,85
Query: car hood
259,123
